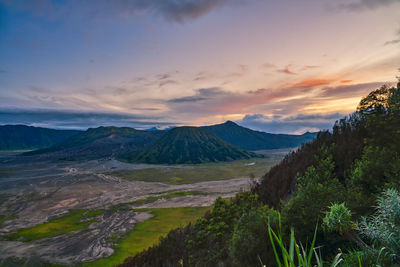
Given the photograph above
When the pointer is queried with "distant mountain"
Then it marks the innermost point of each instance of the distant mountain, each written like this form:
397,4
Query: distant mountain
255,140
188,145
20,137
102,142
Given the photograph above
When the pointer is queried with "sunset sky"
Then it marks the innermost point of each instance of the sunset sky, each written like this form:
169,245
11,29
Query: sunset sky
285,66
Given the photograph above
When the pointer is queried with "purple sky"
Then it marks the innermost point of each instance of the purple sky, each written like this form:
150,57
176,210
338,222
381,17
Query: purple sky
277,66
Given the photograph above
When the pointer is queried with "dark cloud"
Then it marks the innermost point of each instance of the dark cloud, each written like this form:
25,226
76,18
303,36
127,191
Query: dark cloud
78,120
201,94
297,124
166,82
358,5
172,10
202,75
163,76
269,65
308,67
187,99
287,70
350,90
397,41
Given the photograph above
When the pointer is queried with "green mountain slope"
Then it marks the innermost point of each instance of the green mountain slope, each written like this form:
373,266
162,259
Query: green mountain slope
255,140
327,190
102,142
18,137
188,145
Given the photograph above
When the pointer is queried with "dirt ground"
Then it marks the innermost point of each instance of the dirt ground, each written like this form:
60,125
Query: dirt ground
36,192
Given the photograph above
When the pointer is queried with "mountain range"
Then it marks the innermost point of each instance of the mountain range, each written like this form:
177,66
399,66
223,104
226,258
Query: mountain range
220,142
102,142
248,139
22,137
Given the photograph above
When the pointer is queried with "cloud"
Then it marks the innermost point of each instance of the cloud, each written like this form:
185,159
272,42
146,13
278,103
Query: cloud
346,81
308,67
78,120
166,82
392,42
359,5
295,125
201,94
311,83
171,10
286,70
350,90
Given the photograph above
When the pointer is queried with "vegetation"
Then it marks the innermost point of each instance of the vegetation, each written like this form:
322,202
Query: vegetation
102,142
22,137
249,139
171,195
149,233
186,174
4,218
75,220
190,145
334,180
296,254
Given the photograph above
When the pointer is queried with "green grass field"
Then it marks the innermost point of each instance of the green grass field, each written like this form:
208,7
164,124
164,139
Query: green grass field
187,174
148,233
71,222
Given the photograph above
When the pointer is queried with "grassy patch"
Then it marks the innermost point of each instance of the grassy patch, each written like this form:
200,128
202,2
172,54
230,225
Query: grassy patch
75,220
186,174
170,195
147,233
4,218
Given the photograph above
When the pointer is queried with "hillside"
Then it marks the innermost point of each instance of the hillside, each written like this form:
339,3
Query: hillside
22,137
342,189
255,140
188,145
102,142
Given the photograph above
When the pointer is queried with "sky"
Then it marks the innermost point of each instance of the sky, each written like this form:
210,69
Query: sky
287,66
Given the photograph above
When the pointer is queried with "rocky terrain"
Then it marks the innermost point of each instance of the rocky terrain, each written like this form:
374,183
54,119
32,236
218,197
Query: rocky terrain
34,192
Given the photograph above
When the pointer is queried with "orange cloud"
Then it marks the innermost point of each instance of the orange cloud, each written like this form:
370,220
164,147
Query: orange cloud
346,81
311,83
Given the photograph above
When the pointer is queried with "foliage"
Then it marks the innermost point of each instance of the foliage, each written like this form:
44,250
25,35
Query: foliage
338,219
366,257
211,239
296,254
317,183
250,235
350,165
383,227
378,168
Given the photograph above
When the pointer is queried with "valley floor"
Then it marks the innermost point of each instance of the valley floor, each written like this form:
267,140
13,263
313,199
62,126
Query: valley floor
92,212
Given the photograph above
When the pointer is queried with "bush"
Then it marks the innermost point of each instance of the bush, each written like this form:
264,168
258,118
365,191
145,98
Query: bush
383,227
338,219
249,239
